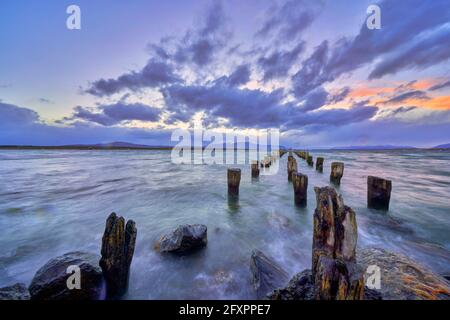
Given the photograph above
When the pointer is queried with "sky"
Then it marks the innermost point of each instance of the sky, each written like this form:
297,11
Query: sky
138,70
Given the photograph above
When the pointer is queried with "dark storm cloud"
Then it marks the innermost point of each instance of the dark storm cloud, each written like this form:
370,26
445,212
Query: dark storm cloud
246,108
339,96
288,20
396,47
240,76
311,75
417,94
11,115
425,51
278,63
108,115
440,86
154,74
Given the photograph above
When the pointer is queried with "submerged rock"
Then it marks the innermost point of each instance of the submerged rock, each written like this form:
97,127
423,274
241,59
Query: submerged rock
184,238
267,274
50,281
18,291
118,245
300,287
404,279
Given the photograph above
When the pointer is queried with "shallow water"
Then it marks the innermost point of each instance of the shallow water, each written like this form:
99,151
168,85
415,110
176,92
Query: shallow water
52,202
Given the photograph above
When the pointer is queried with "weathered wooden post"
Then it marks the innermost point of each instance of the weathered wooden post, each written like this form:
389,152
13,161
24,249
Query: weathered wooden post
319,164
118,245
255,169
378,193
300,184
335,272
310,161
337,171
234,179
291,167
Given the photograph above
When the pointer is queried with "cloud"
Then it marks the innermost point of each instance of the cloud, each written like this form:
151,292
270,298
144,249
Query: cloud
339,96
426,50
22,126
440,86
396,47
113,114
288,20
416,94
278,63
12,115
240,76
154,74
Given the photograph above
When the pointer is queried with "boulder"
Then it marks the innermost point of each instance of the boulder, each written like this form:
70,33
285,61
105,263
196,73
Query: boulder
18,291
118,245
402,278
267,274
183,239
300,287
50,281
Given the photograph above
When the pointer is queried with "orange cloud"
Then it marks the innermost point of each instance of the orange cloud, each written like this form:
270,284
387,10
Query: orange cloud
441,103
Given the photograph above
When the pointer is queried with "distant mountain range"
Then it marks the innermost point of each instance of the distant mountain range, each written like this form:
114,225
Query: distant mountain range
443,146
126,145
379,147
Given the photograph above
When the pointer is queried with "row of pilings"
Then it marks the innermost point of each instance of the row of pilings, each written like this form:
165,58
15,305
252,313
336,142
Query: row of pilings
378,189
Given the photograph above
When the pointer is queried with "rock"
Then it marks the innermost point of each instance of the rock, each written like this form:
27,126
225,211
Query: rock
185,238
402,278
372,294
267,274
234,179
118,246
50,281
378,193
18,291
279,220
334,269
337,171
300,184
255,169
300,287
319,164
291,168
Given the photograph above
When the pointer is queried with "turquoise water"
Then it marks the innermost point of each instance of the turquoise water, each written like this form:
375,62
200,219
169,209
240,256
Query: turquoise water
52,202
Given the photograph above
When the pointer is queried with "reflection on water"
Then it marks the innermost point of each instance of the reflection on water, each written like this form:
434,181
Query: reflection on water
52,202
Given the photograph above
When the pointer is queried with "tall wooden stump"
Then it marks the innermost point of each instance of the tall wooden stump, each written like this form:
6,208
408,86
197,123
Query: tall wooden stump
378,193
319,164
255,169
291,168
118,245
335,272
337,171
234,179
300,184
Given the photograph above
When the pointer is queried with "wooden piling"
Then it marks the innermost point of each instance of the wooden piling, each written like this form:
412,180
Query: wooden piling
255,169
337,171
378,193
319,164
300,184
234,179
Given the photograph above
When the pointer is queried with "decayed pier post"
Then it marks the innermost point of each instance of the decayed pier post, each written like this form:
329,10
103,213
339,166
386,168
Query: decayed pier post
337,171
319,164
378,193
300,184
255,169
118,245
310,161
291,168
335,272
234,179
